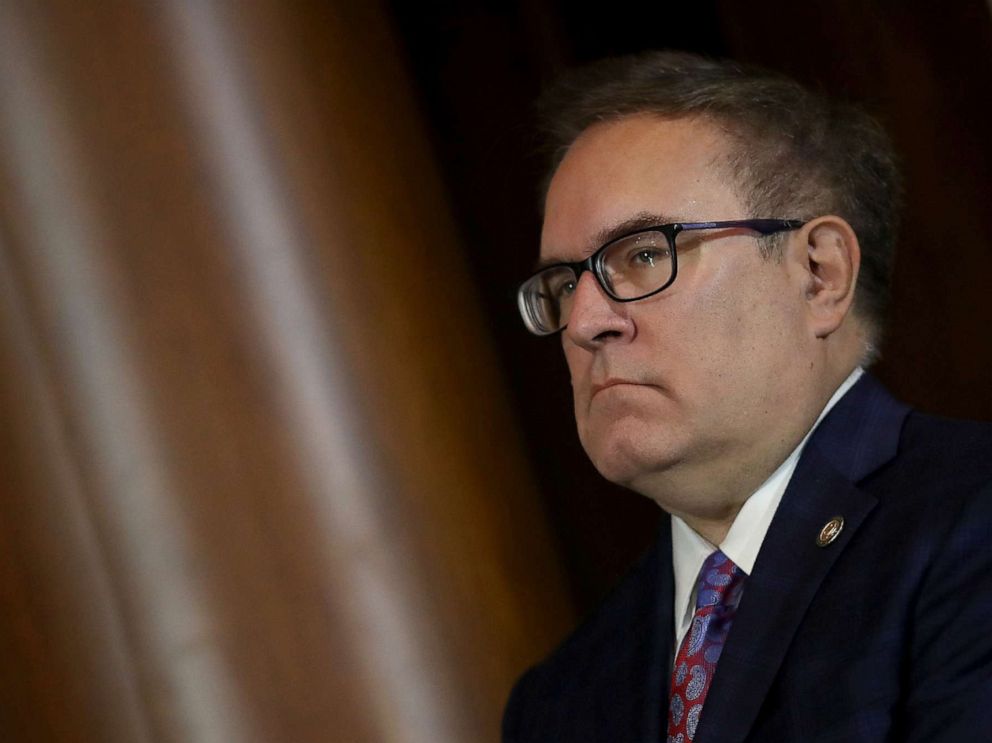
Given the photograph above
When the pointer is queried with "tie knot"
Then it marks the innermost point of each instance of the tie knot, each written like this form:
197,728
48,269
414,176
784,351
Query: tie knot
718,579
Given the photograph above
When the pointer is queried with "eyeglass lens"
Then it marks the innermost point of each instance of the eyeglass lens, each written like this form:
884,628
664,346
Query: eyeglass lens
628,268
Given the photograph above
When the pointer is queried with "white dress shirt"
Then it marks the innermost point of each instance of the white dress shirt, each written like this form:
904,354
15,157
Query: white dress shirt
689,550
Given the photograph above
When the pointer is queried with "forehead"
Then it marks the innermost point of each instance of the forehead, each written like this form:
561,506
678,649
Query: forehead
673,168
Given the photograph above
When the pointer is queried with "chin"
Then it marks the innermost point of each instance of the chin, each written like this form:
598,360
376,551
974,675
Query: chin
625,452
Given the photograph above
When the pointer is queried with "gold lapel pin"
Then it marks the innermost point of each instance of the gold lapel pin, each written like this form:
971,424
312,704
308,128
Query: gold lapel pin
830,531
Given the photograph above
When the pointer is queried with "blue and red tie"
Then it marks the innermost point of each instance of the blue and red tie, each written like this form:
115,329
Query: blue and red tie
717,595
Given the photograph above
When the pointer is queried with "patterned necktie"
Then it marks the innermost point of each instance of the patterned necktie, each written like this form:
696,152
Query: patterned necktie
717,595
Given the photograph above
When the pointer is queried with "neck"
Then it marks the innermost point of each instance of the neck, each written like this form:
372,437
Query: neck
710,501
712,531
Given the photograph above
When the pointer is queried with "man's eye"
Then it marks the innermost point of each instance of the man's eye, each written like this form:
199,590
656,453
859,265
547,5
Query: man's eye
566,289
648,257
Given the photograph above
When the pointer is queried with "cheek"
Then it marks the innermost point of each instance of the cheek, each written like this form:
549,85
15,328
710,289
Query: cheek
737,333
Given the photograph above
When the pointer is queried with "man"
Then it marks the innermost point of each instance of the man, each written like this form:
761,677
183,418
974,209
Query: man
715,256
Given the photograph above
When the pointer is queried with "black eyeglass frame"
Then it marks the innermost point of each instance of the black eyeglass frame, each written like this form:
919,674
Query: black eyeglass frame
593,263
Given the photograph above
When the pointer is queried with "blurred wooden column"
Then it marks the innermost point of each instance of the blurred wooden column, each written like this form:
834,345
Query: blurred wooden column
259,481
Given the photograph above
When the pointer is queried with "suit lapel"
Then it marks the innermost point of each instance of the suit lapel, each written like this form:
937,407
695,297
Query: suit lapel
858,436
786,576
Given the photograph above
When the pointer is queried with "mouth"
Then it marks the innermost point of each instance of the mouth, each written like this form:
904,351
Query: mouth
610,383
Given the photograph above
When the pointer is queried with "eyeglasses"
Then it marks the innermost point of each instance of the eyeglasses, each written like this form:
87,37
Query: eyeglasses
635,266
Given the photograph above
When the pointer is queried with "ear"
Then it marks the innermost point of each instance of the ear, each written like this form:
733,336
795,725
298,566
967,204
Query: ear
833,259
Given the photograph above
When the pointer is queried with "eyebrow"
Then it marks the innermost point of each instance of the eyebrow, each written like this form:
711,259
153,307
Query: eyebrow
639,221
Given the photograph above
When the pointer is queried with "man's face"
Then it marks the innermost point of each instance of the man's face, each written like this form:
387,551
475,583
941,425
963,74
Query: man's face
704,374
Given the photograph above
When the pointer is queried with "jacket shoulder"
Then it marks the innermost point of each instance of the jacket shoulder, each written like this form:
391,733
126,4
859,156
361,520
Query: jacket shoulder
942,457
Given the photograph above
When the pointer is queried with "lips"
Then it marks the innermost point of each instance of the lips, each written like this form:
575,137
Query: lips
605,385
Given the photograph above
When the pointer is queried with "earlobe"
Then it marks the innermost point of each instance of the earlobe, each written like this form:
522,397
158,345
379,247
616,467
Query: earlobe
833,259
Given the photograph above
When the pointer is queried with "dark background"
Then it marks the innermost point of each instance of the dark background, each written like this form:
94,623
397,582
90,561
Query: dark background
924,69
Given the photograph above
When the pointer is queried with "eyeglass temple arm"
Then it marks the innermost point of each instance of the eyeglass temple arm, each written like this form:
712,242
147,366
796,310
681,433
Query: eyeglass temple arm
764,226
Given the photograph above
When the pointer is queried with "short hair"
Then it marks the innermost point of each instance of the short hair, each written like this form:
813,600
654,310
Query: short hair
795,153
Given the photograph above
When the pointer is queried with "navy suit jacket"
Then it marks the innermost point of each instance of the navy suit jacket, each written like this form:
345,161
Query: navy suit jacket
883,635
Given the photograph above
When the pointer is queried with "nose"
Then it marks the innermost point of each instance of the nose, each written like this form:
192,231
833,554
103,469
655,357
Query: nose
595,319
